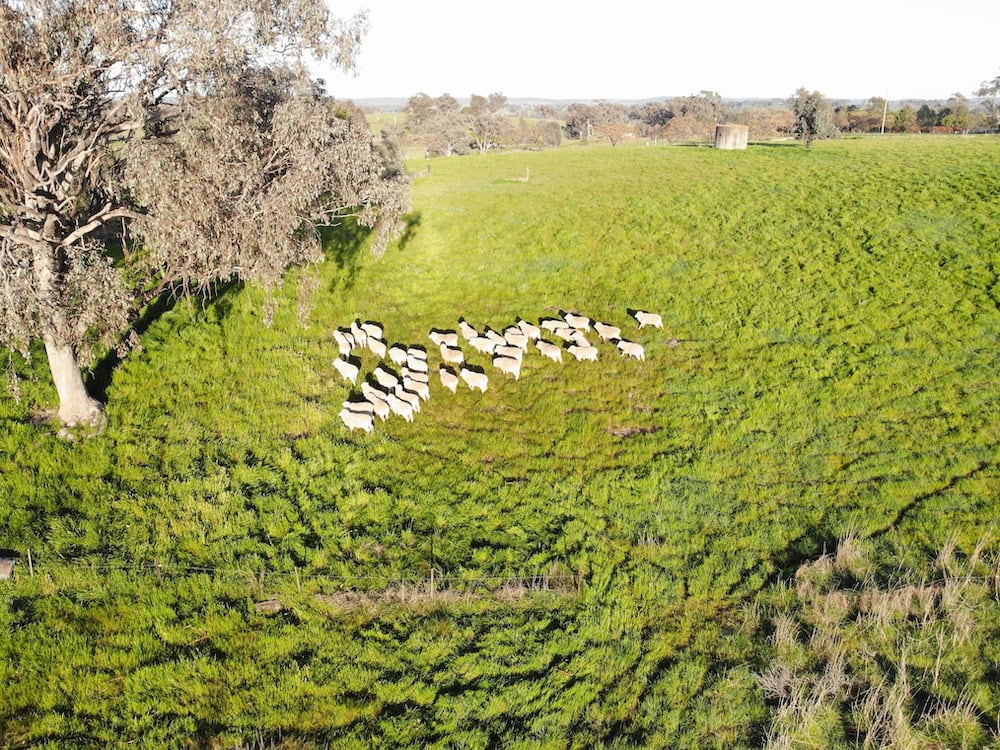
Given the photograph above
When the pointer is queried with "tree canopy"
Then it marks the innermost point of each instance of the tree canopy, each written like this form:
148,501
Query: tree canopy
813,116
194,121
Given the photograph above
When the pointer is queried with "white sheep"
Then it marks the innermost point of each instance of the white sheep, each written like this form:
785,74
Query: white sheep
467,331
607,332
372,392
551,324
385,378
448,378
357,420
452,355
416,364
380,405
514,352
373,330
347,370
411,398
419,377
578,338
474,379
508,365
577,321
397,354
442,338
343,344
549,350
377,347
533,332
483,344
363,407
565,332
648,319
516,337
631,348
583,352
360,337
421,389
416,352
495,337
399,406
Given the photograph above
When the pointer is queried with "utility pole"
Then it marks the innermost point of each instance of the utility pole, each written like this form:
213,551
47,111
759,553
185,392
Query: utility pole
885,110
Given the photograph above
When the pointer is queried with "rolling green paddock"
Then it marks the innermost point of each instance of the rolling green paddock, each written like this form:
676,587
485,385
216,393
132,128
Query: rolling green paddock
838,313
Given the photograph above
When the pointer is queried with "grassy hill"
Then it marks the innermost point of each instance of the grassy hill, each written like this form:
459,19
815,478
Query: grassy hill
835,317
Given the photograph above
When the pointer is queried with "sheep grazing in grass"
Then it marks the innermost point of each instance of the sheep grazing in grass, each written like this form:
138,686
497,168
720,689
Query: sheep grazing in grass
516,337
416,352
551,324
495,337
533,332
549,350
448,378
466,330
583,352
509,365
373,330
345,342
415,386
483,344
578,338
577,321
606,332
360,337
357,420
444,338
631,348
409,397
372,392
648,319
565,332
380,405
397,354
385,378
452,355
377,347
399,406
419,377
515,352
347,370
363,407
416,364
474,379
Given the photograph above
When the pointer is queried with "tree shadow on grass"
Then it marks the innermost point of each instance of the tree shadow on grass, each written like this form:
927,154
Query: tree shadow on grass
343,243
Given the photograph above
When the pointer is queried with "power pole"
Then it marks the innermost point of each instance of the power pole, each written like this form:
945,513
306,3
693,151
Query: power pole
885,111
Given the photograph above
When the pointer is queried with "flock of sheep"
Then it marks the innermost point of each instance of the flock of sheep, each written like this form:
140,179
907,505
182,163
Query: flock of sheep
387,392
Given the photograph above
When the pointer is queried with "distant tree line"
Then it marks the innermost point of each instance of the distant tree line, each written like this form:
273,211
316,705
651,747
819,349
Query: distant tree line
445,127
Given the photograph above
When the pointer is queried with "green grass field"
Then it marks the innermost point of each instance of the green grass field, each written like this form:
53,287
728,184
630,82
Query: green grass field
838,312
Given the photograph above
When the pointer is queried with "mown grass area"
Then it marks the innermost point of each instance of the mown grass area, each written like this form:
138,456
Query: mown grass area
838,312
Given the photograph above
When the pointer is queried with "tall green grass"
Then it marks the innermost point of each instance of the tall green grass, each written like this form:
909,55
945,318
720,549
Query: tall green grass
837,312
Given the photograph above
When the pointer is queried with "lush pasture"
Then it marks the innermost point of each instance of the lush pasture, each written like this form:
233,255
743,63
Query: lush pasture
839,317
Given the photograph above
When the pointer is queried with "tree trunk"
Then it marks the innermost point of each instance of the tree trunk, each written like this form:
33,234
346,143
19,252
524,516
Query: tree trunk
75,404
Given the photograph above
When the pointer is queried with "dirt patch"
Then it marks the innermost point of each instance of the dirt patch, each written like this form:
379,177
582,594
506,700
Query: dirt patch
627,432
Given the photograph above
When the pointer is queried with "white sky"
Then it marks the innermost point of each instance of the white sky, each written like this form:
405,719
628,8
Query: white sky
624,49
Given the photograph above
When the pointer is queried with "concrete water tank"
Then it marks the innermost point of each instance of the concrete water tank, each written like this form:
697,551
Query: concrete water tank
731,136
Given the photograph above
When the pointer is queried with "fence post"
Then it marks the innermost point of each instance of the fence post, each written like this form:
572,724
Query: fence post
432,581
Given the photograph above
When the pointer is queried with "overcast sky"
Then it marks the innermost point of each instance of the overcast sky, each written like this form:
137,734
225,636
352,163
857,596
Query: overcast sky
633,50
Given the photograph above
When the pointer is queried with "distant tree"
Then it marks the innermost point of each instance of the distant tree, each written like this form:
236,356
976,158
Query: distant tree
486,119
959,117
991,89
687,128
927,118
813,116
905,120
439,121
705,106
583,119
655,113
615,132
191,121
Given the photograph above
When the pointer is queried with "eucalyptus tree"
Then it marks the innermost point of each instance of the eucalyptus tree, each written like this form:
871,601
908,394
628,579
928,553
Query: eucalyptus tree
192,120
813,116
486,119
